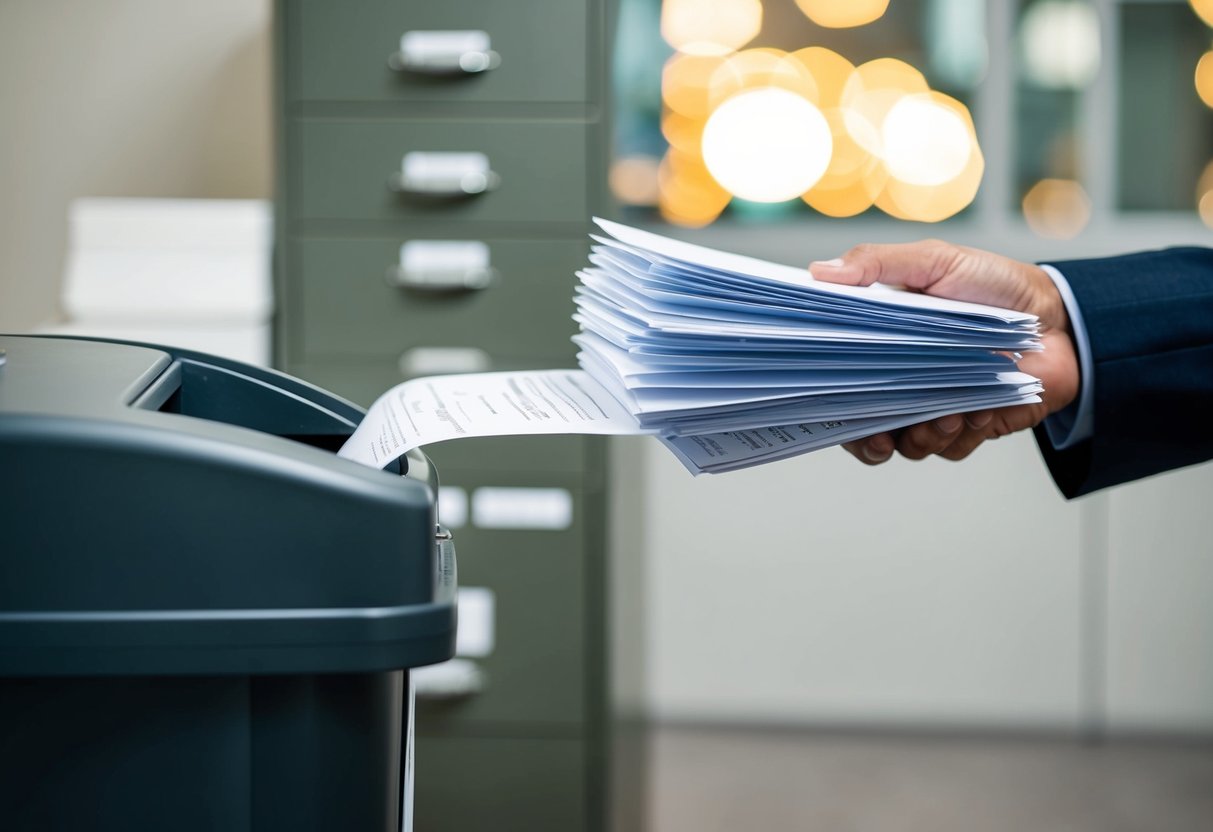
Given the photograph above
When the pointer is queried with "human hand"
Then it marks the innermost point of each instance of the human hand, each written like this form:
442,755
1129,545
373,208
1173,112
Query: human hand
938,268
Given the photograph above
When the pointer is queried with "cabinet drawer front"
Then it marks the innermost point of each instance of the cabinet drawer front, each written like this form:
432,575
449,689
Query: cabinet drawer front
346,170
477,784
536,672
523,315
341,53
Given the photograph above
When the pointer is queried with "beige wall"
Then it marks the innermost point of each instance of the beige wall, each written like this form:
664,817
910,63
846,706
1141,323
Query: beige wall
121,98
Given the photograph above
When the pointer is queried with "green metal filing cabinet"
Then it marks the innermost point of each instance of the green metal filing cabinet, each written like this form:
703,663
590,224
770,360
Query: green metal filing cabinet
517,91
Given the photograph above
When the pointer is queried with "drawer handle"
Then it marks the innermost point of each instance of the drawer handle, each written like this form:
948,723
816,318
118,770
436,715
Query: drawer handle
442,266
452,53
444,361
444,174
454,679
444,280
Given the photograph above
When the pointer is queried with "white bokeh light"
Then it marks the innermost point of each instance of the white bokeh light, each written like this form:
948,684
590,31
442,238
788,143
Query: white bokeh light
767,145
924,143
1060,45
710,27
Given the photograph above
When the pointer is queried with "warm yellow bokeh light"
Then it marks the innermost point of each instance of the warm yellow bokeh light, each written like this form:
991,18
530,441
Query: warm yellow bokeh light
886,203
1204,8
686,84
682,133
853,179
925,141
1205,208
849,161
633,180
1204,183
1057,208
843,14
1204,195
687,193
1204,78
871,92
767,145
829,70
768,126
932,203
758,68
847,201
710,27
884,73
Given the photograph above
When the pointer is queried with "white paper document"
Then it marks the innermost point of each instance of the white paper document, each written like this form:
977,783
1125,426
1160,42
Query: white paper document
728,360
438,408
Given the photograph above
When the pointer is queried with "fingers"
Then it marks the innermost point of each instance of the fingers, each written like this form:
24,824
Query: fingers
950,271
952,437
873,450
916,265
963,445
978,419
929,438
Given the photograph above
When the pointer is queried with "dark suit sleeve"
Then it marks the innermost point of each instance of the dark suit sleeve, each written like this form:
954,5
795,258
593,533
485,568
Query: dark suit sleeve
1149,318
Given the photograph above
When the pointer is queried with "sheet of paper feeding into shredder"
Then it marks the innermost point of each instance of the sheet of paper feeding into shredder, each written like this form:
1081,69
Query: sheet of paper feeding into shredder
729,361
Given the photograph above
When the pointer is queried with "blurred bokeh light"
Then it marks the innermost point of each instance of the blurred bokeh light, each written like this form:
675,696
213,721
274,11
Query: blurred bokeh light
633,180
1060,44
688,194
1204,78
1204,195
871,93
925,142
1057,208
767,144
843,14
686,84
710,27
765,126
1204,8
762,68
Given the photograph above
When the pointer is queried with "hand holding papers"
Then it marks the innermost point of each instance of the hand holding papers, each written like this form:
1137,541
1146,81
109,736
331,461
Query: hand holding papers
729,360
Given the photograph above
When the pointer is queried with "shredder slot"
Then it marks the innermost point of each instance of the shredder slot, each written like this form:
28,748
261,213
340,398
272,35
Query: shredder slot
166,394
163,393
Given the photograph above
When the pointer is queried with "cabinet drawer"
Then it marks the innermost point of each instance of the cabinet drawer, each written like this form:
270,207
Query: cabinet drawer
523,316
536,672
341,53
346,170
500,784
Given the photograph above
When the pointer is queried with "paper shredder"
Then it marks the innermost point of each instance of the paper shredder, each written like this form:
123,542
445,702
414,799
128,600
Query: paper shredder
206,616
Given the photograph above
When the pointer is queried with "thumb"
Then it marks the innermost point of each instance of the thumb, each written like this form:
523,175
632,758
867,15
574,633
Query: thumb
913,265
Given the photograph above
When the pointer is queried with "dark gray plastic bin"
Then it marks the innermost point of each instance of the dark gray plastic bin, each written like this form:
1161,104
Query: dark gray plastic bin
206,616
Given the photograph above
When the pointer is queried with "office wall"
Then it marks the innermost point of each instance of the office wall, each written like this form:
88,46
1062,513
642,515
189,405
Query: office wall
821,591
120,98
818,591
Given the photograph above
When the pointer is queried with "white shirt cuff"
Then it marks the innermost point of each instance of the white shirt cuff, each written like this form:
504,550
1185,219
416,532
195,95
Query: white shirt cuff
1075,423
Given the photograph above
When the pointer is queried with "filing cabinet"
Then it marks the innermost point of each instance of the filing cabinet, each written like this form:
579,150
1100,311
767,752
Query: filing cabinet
438,164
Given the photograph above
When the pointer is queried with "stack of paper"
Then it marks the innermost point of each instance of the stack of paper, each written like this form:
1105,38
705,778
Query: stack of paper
729,361
697,342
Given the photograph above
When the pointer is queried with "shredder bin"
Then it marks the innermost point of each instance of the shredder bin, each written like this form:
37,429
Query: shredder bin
206,616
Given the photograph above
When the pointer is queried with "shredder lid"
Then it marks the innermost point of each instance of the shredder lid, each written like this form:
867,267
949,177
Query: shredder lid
138,539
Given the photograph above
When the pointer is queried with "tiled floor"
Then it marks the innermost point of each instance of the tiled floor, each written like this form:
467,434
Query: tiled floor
713,780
